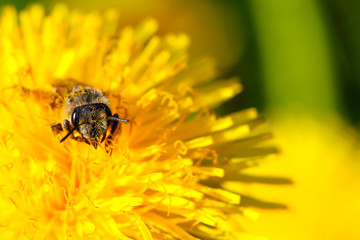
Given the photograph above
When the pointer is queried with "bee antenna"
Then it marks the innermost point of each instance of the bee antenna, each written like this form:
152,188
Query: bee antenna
69,133
117,119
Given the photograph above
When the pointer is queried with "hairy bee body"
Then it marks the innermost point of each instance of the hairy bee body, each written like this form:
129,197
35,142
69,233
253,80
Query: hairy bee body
87,111
80,96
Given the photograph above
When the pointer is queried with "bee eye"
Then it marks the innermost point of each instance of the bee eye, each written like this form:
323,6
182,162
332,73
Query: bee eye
74,118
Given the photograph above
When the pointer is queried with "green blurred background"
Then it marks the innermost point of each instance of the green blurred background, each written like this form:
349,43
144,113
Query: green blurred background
298,56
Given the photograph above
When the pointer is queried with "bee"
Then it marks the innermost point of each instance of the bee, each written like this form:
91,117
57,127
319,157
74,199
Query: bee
86,110
88,113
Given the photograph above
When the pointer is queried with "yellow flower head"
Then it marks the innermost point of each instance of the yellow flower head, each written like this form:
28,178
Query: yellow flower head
171,172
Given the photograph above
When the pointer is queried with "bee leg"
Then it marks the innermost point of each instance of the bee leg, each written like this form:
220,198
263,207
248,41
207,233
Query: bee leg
114,125
110,139
82,140
57,128
104,136
67,125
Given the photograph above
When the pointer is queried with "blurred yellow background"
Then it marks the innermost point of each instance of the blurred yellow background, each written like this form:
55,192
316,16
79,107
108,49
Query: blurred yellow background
299,62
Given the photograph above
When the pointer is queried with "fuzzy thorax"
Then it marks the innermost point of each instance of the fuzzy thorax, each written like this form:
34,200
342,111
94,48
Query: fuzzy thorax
80,96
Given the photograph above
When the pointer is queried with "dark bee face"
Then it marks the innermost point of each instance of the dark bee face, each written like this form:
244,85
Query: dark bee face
92,121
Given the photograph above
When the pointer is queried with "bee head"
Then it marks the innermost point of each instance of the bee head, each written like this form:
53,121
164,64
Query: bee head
91,121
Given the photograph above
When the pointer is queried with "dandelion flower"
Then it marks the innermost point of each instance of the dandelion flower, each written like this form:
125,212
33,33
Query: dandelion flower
173,172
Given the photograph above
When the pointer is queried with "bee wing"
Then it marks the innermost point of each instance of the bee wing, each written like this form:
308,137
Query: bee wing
55,98
64,86
40,95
